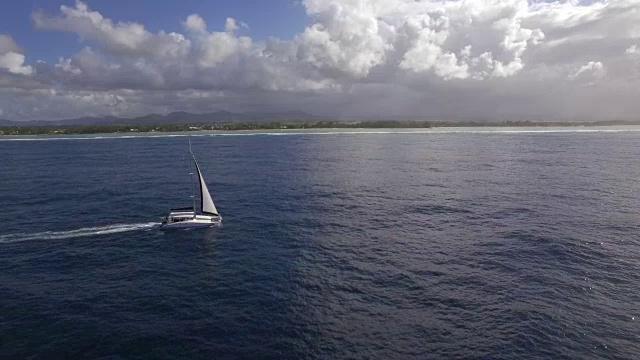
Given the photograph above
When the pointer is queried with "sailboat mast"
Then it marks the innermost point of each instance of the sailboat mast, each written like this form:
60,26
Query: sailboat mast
193,190
193,194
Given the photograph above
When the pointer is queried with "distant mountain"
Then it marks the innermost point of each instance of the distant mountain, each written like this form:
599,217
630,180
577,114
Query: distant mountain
178,117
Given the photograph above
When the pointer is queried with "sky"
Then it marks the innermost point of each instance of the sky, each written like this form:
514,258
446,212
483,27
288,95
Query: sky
448,59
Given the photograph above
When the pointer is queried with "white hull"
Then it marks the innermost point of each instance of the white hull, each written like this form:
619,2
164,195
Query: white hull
189,225
189,221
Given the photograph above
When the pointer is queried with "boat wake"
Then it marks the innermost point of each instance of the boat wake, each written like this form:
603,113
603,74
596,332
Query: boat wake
82,232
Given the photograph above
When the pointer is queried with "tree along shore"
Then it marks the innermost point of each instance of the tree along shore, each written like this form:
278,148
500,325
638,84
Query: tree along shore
232,126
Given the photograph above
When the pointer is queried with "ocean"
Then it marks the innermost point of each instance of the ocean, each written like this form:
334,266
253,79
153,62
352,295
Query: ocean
335,244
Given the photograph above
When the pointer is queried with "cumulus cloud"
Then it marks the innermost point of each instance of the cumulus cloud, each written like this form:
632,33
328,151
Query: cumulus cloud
11,57
452,40
122,38
445,39
14,62
230,25
216,47
195,24
500,58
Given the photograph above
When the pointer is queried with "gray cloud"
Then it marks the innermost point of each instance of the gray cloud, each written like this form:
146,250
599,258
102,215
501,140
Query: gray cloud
495,59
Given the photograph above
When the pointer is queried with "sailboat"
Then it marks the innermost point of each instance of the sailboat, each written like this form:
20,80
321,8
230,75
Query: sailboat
183,218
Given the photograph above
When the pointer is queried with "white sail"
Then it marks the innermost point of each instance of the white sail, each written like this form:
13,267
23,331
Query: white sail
206,203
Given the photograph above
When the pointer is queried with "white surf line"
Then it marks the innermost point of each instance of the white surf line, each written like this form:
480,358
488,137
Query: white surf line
339,132
89,231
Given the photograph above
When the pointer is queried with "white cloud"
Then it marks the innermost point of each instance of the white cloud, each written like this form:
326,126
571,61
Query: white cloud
65,65
230,25
428,34
15,63
632,50
347,37
195,23
491,30
122,38
216,47
11,57
592,70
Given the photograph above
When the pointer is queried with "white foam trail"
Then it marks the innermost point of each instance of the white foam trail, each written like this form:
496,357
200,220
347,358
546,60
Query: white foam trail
89,231
345,132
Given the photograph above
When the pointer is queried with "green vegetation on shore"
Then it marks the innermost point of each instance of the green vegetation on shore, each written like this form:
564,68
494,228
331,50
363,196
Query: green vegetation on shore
97,129
232,126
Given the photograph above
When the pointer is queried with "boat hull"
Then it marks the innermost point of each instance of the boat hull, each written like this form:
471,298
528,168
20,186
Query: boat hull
189,220
188,224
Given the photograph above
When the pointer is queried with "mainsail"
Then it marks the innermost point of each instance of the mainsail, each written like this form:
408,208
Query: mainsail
206,203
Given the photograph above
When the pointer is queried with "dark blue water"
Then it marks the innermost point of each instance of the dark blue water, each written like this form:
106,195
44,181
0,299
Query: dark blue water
389,246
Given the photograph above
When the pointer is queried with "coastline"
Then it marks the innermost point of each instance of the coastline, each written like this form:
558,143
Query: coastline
57,130
488,131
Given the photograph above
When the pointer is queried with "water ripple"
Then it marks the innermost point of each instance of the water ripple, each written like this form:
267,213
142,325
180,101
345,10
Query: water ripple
386,244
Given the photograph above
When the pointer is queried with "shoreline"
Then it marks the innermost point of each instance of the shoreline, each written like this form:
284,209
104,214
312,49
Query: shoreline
55,130
331,131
